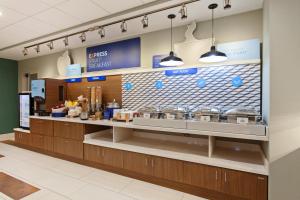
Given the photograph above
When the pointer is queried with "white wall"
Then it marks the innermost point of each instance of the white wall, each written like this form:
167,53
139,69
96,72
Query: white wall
233,28
282,69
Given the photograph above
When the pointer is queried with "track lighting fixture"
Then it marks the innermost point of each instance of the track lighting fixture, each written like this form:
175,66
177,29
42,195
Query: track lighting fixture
227,4
124,26
171,60
183,12
25,52
66,41
145,21
213,55
101,32
50,45
100,28
37,48
83,37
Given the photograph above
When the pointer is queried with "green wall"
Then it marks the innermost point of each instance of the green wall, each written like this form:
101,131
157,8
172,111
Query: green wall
9,95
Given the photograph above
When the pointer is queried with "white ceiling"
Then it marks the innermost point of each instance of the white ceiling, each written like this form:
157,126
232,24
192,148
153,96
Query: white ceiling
24,20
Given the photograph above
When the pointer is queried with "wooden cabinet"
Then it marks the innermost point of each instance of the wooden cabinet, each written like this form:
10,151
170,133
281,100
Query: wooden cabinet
69,130
202,176
68,147
41,127
102,155
167,169
139,163
262,188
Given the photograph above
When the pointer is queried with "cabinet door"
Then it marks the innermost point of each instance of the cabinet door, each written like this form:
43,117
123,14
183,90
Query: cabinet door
262,188
68,147
167,169
138,163
112,157
22,138
68,130
239,184
202,176
93,153
41,127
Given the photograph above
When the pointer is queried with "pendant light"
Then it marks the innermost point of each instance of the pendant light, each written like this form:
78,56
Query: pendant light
171,60
213,55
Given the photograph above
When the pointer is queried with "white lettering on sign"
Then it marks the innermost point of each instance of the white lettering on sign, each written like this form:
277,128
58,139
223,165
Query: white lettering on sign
98,54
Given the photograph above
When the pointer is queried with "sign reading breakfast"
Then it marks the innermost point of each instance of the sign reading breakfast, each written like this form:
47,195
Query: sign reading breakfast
116,55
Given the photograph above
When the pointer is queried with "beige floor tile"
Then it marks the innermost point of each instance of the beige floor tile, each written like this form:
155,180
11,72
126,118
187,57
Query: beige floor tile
93,192
107,180
146,191
45,195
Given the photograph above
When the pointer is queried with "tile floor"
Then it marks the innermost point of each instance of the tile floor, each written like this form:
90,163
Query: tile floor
62,180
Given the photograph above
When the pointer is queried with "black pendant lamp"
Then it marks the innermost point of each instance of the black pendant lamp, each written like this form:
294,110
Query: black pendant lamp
171,60
213,55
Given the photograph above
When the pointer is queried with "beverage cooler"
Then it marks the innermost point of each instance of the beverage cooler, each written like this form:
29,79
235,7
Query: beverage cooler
26,104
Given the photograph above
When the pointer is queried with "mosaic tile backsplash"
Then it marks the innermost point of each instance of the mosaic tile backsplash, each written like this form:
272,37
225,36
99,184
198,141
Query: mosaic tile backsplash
225,87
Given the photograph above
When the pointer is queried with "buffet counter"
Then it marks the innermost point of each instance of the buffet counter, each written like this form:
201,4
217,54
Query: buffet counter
180,156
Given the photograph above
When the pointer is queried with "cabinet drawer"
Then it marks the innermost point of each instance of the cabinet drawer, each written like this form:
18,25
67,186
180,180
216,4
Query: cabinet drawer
103,155
42,142
41,127
68,147
69,130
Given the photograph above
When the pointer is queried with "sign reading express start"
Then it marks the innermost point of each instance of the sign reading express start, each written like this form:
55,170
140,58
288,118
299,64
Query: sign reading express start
116,55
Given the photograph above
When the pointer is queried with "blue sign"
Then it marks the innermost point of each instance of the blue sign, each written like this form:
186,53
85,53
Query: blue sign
159,84
74,70
242,50
96,78
178,72
73,80
156,61
237,82
128,86
201,83
116,55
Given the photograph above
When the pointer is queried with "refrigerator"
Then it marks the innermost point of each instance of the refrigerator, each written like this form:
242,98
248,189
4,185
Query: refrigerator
26,104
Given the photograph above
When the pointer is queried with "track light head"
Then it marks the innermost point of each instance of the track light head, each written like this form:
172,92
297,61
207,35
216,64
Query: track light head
83,37
50,45
66,41
101,32
37,48
25,51
145,21
124,27
183,12
227,4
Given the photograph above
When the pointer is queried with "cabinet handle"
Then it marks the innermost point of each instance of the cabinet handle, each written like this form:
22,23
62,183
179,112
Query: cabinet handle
225,177
152,162
146,161
261,178
66,124
216,174
103,153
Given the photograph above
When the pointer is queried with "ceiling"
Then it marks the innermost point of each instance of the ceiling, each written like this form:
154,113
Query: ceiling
29,21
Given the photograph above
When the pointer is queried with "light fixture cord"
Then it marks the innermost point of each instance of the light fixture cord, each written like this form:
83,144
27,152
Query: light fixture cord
212,27
171,34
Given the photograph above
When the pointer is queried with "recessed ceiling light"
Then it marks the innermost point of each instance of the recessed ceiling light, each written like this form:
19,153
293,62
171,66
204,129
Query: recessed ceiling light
1,13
